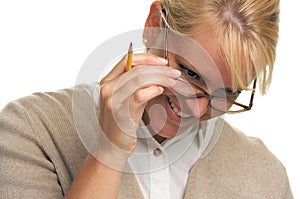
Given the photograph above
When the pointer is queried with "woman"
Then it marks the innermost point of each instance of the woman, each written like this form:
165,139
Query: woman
213,50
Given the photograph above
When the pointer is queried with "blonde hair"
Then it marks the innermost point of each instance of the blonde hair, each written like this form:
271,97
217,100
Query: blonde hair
247,31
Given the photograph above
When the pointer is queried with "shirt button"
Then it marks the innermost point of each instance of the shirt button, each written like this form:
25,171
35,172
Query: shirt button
157,152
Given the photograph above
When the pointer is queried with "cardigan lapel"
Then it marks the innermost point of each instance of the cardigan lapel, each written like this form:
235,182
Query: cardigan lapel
129,187
191,190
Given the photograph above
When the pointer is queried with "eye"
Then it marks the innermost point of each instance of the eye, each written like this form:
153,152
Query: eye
231,93
189,73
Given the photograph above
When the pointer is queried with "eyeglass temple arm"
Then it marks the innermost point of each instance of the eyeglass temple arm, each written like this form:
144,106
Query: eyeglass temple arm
164,17
251,98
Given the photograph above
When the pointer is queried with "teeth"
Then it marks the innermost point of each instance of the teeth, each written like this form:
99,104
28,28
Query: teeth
176,111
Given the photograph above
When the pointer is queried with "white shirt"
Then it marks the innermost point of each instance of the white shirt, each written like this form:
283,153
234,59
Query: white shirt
162,170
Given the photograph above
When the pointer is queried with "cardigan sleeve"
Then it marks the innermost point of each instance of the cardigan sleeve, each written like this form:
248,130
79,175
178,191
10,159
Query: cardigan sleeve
25,170
289,194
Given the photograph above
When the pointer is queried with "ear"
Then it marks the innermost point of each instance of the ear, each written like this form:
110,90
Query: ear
153,20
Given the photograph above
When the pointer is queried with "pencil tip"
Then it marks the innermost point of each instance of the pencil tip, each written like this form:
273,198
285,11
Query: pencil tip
130,48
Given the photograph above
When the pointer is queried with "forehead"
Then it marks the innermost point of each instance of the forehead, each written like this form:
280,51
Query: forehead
202,53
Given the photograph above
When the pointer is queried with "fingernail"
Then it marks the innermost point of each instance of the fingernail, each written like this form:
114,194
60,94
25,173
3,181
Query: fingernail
162,60
161,90
171,82
175,72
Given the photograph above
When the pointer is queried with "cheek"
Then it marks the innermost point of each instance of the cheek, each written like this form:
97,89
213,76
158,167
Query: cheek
211,113
198,107
201,109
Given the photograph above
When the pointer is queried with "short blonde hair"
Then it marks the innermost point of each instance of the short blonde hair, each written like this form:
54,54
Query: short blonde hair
247,31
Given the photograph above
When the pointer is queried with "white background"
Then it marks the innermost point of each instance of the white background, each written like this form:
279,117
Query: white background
44,43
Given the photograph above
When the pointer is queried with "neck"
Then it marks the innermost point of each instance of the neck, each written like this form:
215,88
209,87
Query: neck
159,138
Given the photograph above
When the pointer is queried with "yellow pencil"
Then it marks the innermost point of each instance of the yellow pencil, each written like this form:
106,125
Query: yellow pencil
129,58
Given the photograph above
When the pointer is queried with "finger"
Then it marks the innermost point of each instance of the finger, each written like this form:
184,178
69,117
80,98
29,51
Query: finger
124,92
137,74
135,79
138,59
128,115
143,95
148,59
139,99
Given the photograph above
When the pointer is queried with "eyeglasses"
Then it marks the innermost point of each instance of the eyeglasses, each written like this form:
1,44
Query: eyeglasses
222,99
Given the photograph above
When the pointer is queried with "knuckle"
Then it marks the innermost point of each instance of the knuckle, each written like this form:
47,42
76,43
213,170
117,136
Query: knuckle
145,58
150,58
108,104
138,70
105,91
138,80
138,97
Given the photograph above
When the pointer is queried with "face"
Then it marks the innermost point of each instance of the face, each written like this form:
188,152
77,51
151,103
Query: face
171,113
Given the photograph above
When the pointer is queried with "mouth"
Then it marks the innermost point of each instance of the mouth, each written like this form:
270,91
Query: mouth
176,110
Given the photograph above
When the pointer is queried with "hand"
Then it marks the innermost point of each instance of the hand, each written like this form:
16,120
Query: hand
123,96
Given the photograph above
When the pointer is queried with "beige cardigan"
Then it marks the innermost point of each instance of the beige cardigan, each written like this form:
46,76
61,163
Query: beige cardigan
40,154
